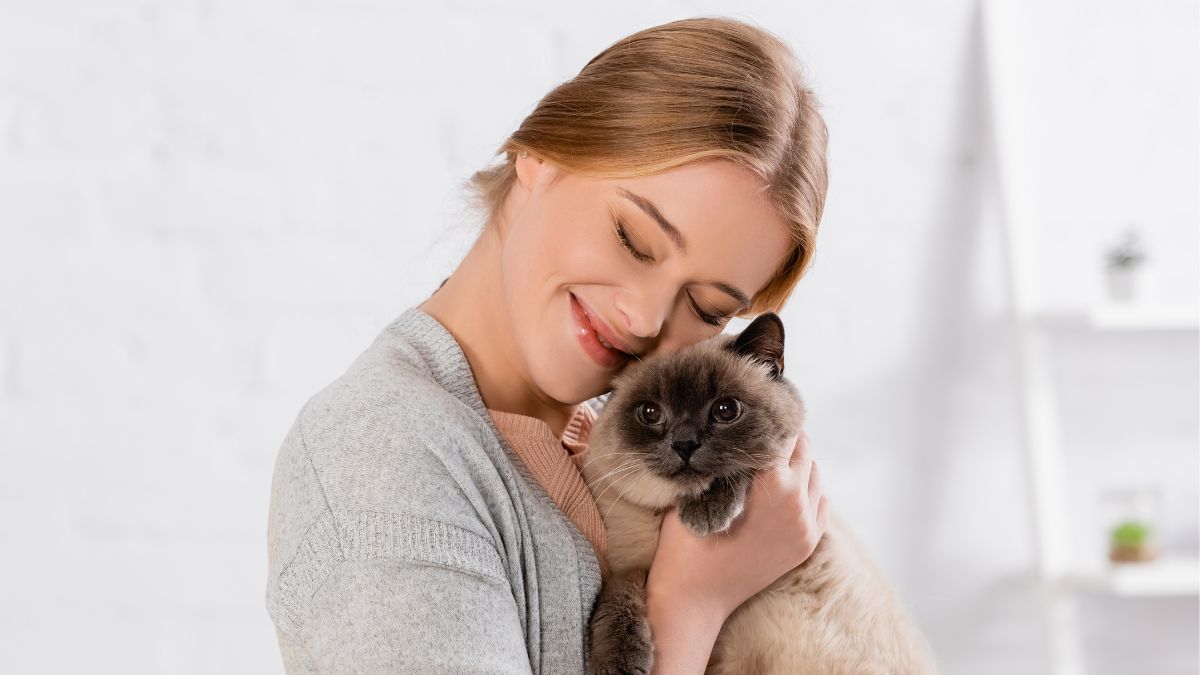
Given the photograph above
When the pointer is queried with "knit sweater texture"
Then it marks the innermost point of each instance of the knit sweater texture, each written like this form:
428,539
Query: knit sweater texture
557,465
406,534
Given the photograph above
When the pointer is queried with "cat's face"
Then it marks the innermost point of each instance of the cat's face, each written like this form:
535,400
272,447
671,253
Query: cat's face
676,421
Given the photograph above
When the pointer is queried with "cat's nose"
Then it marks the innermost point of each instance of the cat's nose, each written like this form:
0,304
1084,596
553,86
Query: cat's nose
685,448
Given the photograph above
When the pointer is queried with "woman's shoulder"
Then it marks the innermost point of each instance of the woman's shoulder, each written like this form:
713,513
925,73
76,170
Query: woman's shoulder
377,466
383,421
372,402
387,435
413,378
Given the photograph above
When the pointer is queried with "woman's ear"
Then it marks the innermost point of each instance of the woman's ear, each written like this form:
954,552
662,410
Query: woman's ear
533,172
527,171
532,175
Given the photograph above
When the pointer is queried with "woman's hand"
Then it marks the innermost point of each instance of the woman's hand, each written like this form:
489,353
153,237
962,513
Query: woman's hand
784,518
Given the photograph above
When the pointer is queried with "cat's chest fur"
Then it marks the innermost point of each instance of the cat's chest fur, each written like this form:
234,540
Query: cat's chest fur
835,614
633,538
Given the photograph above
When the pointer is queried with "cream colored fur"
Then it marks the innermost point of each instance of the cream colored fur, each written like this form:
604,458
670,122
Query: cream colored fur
834,615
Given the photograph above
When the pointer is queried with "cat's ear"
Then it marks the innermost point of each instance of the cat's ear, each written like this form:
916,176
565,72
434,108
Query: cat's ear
762,340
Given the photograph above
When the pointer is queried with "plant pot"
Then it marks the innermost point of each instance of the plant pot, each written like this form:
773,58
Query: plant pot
1126,554
1132,514
1132,540
1122,282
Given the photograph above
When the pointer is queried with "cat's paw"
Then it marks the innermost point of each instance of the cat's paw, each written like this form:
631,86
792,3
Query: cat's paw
627,650
626,666
706,516
621,643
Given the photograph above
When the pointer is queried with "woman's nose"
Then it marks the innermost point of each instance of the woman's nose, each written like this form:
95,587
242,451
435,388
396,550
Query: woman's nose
643,318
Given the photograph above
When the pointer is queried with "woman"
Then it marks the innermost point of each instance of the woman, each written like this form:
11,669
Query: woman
427,512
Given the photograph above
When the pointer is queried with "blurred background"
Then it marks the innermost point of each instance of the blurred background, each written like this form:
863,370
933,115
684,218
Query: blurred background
209,208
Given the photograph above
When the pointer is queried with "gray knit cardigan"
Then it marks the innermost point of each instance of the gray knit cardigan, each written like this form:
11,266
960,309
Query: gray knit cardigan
405,535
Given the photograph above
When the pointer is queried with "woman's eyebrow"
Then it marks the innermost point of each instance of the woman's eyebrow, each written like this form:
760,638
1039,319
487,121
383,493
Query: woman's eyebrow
651,210
737,294
676,238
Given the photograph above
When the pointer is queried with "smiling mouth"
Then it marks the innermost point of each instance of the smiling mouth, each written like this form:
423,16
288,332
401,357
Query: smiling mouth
595,325
590,341
600,337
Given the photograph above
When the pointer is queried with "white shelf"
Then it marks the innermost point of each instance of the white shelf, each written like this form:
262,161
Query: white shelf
1009,106
1165,577
1115,317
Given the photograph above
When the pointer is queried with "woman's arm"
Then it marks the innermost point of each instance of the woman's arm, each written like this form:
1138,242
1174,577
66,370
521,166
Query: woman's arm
696,583
683,635
404,616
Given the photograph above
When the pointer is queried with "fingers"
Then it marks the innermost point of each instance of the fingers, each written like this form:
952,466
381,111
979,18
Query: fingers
671,524
814,481
806,474
823,513
802,465
800,450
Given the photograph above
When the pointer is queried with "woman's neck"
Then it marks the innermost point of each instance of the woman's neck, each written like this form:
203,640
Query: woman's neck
471,305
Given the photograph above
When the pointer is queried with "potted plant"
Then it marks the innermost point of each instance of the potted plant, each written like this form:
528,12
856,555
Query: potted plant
1124,260
1132,514
1129,541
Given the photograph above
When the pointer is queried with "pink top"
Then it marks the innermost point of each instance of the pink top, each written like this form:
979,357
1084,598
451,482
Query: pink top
556,464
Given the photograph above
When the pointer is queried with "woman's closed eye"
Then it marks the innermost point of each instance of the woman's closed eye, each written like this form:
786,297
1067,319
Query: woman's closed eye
714,319
622,237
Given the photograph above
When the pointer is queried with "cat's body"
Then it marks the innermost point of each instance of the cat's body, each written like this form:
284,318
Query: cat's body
834,614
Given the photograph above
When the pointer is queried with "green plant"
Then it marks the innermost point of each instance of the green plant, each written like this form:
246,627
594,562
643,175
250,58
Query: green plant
1127,252
1130,534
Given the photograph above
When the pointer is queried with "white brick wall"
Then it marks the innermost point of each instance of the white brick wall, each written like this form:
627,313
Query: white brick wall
208,209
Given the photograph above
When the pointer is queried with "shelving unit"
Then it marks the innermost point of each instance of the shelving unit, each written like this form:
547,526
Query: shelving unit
1058,576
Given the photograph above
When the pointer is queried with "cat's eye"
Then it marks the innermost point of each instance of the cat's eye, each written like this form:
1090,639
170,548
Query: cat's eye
726,409
649,413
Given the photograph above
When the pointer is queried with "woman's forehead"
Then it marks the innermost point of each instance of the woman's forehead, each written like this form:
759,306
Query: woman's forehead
698,196
713,211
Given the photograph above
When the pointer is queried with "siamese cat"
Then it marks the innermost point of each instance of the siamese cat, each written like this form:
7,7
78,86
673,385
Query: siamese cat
689,429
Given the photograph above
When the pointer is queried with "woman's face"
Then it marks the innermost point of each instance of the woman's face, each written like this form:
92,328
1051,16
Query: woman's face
561,247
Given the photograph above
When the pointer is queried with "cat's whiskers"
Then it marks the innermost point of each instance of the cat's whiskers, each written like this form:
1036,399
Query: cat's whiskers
755,458
627,469
755,477
752,457
608,454
618,499
755,480
623,465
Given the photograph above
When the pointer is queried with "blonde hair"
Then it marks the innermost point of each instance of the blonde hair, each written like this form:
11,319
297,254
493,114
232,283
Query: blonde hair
689,90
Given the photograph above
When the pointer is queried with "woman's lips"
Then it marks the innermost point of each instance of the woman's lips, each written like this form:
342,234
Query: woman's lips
585,332
611,339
